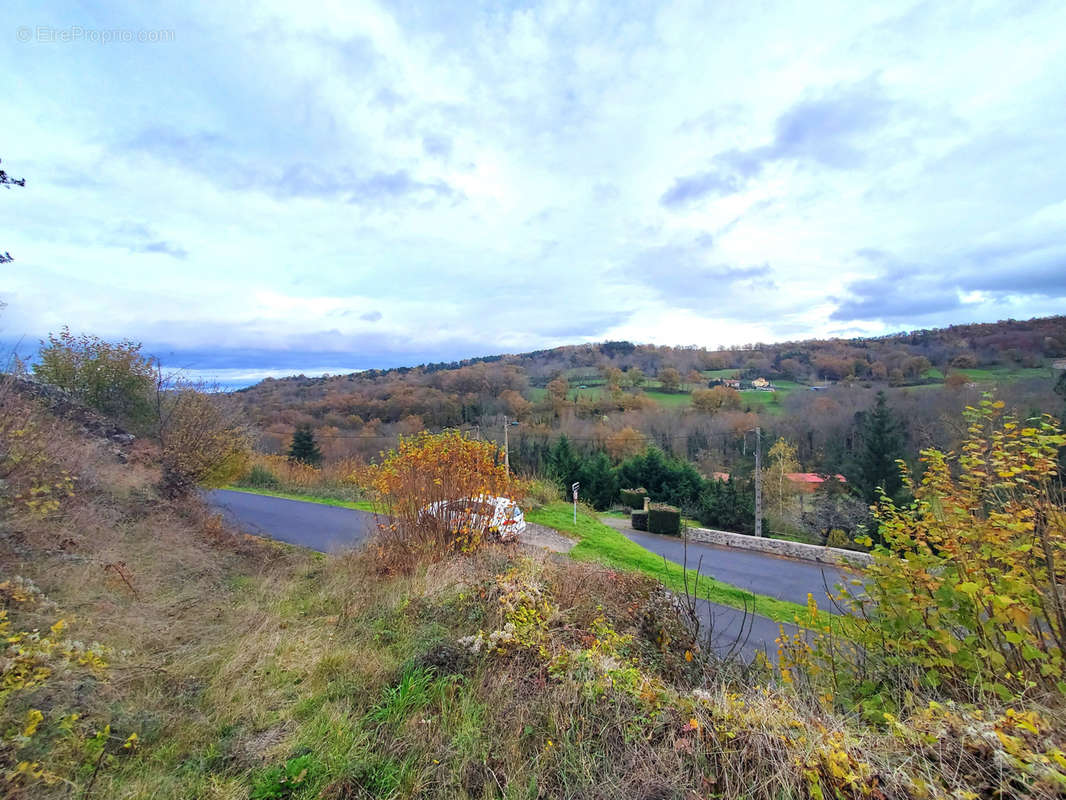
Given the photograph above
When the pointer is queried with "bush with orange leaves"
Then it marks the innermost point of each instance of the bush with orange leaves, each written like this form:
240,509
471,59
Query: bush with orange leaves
426,471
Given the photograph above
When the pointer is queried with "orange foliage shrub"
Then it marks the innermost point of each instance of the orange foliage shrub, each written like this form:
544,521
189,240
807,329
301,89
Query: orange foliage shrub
429,469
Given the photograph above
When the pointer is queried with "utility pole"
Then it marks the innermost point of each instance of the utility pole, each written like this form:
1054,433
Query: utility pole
758,481
506,446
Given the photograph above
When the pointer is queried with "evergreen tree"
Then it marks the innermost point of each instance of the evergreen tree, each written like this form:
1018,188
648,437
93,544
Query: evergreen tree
882,445
599,482
304,448
564,463
667,479
725,505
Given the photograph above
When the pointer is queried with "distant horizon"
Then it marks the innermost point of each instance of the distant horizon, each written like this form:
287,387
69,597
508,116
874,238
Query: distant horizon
231,378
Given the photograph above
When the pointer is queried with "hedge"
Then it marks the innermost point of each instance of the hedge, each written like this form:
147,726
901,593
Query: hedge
638,520
633,498
664,519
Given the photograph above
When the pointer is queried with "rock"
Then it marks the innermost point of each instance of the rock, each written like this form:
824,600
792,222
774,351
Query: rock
66,407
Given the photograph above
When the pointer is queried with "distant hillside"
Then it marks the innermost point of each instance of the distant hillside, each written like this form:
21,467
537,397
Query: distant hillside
1027,343
464,392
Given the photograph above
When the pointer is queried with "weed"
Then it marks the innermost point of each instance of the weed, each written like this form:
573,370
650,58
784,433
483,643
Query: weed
286,779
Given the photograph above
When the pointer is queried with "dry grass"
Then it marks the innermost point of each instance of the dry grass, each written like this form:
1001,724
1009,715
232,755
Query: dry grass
332,480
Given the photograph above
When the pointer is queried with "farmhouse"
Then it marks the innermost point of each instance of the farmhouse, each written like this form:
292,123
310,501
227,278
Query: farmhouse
810,481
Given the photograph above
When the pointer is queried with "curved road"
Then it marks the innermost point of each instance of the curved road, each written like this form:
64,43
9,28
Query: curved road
784,578
327,529
330,529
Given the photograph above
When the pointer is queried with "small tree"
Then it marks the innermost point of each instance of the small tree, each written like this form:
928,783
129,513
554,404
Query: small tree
625,443
304,449
778,489
670,379
557,390
613,377
876,466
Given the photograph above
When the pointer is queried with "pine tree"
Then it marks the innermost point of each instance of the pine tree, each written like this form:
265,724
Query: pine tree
599,482
564,463
303,447
882,445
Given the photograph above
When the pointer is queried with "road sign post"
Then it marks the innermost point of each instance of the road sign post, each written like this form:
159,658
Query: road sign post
574,489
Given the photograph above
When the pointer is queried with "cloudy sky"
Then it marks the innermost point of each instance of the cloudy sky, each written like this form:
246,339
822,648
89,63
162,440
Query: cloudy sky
250,187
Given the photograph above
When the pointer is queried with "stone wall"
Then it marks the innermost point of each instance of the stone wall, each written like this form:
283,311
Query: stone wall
780,547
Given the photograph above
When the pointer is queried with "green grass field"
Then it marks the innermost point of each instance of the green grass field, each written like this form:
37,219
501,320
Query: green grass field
1005,374
770,402
720,374
985,377
670,399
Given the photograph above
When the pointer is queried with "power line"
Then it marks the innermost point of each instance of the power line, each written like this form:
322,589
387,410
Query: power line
671,437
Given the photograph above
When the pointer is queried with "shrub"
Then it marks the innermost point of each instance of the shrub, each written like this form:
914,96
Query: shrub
638,520
633,498
203,441
837,538
115,379
32,479
435,470
42,744
965,592
260,478
333,479
664,519
540,492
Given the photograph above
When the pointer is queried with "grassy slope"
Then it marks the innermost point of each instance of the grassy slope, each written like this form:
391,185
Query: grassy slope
603,544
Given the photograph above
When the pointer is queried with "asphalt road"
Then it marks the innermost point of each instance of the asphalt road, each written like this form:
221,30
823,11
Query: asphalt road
330,529
327,529
783,578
